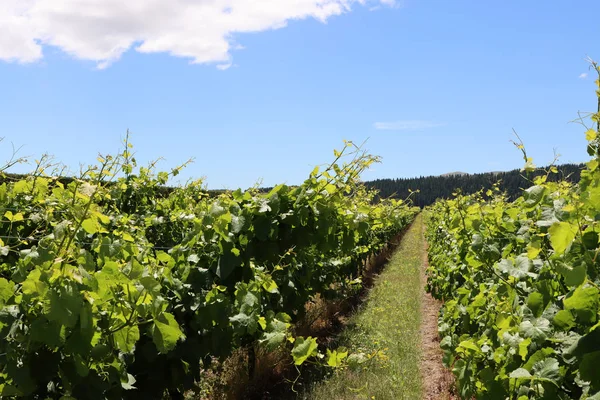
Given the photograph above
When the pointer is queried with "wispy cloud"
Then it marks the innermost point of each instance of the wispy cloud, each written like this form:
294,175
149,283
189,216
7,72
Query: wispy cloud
406,125
102,30
386,3
583,76
224,67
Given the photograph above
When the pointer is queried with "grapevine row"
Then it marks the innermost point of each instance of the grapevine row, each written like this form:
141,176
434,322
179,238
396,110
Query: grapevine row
111,287
520,284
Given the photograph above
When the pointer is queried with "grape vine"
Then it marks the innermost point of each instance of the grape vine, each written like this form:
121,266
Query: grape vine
520,284
112,287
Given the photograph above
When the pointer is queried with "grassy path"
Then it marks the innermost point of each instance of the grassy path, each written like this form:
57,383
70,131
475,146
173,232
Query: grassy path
387,327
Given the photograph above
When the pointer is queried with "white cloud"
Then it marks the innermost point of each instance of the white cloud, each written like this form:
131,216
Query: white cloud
386,3
407,125
102,30
583,76
224,66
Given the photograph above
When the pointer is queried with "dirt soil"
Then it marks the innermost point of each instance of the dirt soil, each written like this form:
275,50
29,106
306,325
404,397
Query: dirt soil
438,382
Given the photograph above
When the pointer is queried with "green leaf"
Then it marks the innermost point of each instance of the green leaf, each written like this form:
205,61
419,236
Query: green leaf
335,359
524,348
535,302
519,373
150,284
588,368
217,210
584,303
162,177
596,396
33,285
127,237
237,223
533,195
81,341
90,226
65,305
13,218
7,290
164,257
534,248
247,300
273,339
561,236
547,369
227,262
50,333
538,329
166,332
564,320
537,357
574,276
303,349
105,219
80,365
87,261
469,345
519,269
590,239
126,338
277,326
10,391
244,322
270,286
262,322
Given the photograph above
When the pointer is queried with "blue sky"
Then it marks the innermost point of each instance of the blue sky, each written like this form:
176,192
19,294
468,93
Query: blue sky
436,86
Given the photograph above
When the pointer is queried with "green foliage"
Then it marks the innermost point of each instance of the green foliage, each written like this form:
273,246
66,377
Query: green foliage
112,287
520,283
303,349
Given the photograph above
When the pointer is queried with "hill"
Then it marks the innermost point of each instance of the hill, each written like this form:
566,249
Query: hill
435,187
457,173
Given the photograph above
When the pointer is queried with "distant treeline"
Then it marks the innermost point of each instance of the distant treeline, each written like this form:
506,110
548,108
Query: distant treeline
432,188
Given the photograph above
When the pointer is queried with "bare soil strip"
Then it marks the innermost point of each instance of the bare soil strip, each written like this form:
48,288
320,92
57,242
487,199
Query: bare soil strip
438,382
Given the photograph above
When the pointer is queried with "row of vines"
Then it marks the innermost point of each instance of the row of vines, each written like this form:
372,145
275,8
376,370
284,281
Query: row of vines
112,287
520,283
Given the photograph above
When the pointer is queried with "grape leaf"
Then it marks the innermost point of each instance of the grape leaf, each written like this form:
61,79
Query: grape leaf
166,332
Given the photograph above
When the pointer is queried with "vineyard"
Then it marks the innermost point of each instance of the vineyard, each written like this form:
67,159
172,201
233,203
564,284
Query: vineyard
111,287
520,286
115,286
